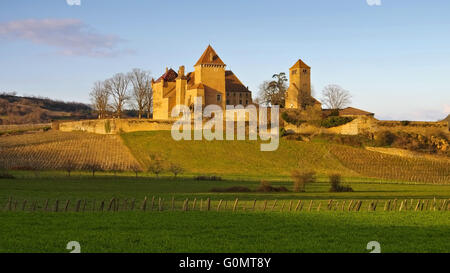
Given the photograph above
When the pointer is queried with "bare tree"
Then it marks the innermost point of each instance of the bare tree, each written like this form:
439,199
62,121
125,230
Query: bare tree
273,92
117,87
335,97
176,169
99,97
141,82
149,99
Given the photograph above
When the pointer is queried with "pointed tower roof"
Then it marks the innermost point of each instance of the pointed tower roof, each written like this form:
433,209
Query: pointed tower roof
300,64
209,57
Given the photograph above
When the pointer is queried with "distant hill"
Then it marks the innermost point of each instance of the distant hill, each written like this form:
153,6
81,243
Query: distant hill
24,110
447,119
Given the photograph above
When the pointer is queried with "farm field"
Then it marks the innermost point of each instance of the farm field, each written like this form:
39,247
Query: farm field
105,212
225,231
244,159
55,150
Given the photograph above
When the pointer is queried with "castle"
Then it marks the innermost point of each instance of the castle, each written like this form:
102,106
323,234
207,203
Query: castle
209,80
216,85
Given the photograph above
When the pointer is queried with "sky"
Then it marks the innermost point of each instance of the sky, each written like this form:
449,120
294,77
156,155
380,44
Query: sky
393,56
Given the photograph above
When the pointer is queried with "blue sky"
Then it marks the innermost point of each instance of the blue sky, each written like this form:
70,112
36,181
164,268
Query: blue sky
394,58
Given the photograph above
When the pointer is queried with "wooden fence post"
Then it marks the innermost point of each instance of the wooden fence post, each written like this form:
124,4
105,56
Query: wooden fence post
265,205
173,203
102,205
153,203
46,205
208,204
298,205
194,203
84,205
274,204
56,205
394,205
310,205
144,204
24,204
282,206
329,204
343,206
220,203
401,206
254,205
34,205
235,204
350,205
320,204
201,204
159,204
77,208
133,202
9,203
417,206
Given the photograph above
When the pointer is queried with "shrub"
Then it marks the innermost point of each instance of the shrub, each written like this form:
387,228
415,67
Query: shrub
5,175
93,167
404,122
292,118
265,186
156,166
335,182
334,121
107,127
384,138
69,166
231,189
301,179
209,178
175,169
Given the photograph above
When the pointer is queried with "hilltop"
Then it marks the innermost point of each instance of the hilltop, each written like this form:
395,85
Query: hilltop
447,119
24,110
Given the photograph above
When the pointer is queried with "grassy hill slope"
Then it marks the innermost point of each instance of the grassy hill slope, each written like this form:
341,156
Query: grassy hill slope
244,159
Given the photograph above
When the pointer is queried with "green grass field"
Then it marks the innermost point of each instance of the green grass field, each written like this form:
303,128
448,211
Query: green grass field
212,231
243,159
225,232
269,224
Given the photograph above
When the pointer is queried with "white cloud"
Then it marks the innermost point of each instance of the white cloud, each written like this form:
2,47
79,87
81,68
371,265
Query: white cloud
73,2
373,2
70,36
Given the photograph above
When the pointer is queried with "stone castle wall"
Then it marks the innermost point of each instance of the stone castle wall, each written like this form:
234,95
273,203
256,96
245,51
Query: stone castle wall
366,124
360,125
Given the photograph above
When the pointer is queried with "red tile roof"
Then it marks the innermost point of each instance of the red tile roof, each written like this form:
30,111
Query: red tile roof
169,76
233,84
209,57
300,64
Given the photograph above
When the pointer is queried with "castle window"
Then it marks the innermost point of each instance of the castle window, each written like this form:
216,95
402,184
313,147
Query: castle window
246,101
240,101
240,95
219,97
246,95
294,71
228,102
305,71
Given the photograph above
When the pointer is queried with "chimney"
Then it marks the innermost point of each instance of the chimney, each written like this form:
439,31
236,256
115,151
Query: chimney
181,71
167,69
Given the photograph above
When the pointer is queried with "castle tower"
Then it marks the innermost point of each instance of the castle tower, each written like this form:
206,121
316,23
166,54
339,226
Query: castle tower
299,85
210,71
